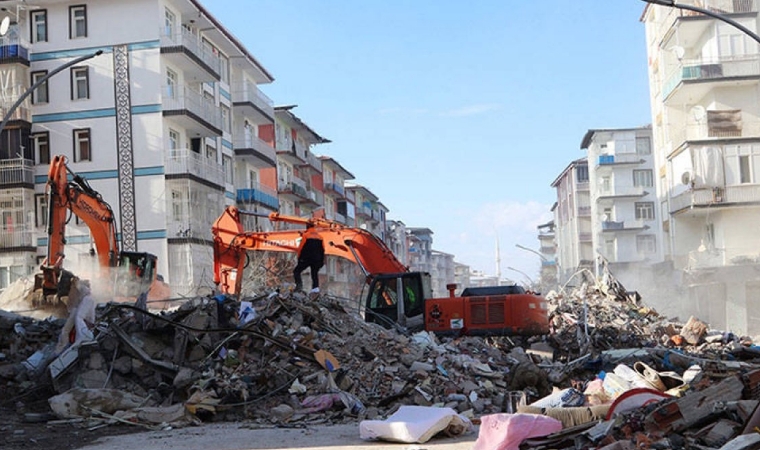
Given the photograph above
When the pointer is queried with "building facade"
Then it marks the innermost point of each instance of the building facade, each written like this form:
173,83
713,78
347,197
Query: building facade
573,223
704,78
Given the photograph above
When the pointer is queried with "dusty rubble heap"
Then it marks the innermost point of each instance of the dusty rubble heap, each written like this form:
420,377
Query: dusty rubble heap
287,358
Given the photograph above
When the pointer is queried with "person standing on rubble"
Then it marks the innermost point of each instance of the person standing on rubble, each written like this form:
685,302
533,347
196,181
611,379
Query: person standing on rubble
311,254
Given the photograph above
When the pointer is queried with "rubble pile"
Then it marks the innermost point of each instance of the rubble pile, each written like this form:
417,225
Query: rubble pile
612,370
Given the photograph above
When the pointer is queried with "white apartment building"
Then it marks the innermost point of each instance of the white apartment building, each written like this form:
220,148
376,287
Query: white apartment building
168,124
705,98
625,223
572,219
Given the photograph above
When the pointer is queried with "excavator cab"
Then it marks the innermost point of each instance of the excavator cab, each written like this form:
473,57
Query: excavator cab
138,270
383,306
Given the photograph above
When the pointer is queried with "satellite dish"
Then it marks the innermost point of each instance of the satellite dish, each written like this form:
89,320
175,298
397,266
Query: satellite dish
4,25
678,51
686,178
698,112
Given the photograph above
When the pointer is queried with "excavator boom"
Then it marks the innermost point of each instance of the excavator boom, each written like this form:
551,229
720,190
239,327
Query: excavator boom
231,242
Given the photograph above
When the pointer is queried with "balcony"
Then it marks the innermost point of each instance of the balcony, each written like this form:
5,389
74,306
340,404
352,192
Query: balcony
17,237
619,159
186,52
335,188
259,194
584,211
628,225
340,218
183,161
313,163
622,192
293,153
720,257
693,132
715,197
691,78
17,172
585,237
250,101
294,189
191,110
254,151
14,50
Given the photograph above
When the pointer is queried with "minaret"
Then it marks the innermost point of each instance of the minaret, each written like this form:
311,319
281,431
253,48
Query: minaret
498,262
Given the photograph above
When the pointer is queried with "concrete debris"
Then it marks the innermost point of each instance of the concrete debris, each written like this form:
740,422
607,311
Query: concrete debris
612,371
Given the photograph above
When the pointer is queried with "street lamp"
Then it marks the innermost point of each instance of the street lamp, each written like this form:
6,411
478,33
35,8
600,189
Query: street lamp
706,12
532,283
543,258
29,91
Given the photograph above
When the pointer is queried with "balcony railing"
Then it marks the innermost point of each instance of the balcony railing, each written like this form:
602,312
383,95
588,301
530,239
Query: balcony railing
619,158
745,193
245,92
335,187
191,42
189,99
16,171
623,191
716,68
186,161
718,257
17,236
610,225
697,132
243,141
258,194
13,47
584,211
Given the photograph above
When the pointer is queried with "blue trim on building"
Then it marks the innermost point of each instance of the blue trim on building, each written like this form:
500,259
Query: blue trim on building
227,144
147,171
151,234
144,45
75,53
146,109
225,94
108,174
75,115
229,195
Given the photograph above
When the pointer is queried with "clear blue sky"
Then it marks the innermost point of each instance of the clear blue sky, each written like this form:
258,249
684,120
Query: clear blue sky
457,115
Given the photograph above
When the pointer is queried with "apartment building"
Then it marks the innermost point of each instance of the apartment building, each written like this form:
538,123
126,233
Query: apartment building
572,219
167,124
625,223
338,206
370,212
548,254
704,77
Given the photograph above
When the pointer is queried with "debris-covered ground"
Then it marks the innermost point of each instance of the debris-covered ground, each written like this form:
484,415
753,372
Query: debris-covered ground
614,372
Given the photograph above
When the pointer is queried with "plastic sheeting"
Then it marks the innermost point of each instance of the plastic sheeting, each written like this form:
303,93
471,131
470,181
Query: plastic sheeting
415,424
507,431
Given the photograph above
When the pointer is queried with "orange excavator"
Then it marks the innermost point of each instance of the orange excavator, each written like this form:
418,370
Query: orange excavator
489,310
69,193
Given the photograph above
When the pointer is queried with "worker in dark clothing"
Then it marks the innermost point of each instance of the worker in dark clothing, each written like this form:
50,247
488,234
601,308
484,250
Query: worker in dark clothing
311,254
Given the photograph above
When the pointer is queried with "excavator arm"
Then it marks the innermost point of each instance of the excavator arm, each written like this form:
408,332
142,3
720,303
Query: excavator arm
231,242
75,196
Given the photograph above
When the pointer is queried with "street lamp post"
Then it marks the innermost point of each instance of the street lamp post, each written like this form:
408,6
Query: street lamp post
706,12
543,258
29,91
532,283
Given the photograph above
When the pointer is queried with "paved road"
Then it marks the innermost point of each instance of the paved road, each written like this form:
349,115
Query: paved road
242,437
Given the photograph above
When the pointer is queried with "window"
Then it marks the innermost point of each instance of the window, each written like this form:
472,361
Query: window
645,243
643,178
169,20
82,151
80,83
178,205
41,145
227,167
224,68
173,141
40,95
226,119
581,174
643,146
745,175
644,210
210,153
39,26
77,21
171,83
41,210
253,179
